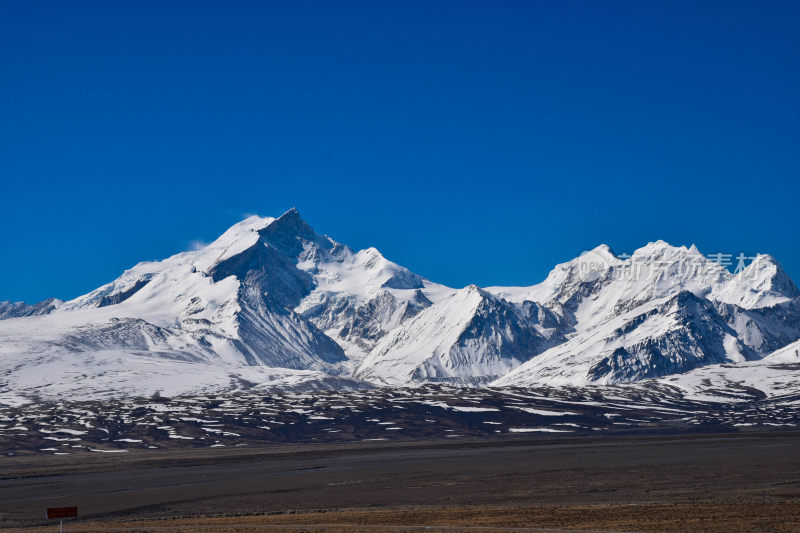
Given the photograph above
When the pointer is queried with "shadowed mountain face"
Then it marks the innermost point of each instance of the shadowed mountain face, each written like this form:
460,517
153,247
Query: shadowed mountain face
271,300
696,337
470,337
266,274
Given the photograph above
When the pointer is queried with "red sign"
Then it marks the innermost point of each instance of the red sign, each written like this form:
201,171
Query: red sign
62,512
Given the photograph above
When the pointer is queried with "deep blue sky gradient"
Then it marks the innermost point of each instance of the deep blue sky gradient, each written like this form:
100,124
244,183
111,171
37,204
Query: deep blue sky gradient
469,141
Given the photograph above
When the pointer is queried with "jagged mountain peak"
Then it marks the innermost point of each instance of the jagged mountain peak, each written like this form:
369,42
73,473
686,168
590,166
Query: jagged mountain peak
598,258
768,274
474,289
241,230
469,336
21,309
293,237
665,268
664,336
564,279
662,250
762,283
603,251
472,297
597,285
234,240
289,234
291,224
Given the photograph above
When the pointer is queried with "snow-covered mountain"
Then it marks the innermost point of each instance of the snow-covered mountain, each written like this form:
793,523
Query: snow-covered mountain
271,302
20,309
665,336
763,283
252,303
661,311
471,336
598,286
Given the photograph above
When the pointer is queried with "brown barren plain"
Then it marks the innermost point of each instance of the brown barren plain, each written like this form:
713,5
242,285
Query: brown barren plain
725,483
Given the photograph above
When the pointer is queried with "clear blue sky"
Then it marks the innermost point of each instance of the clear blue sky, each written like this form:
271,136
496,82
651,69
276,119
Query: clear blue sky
469,141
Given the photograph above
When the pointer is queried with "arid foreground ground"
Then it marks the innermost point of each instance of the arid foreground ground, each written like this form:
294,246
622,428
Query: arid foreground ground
726,482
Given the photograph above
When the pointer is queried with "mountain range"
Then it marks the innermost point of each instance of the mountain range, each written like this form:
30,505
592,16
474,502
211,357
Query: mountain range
272,303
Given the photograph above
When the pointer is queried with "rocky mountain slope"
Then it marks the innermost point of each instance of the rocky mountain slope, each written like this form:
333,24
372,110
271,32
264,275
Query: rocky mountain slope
470,337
